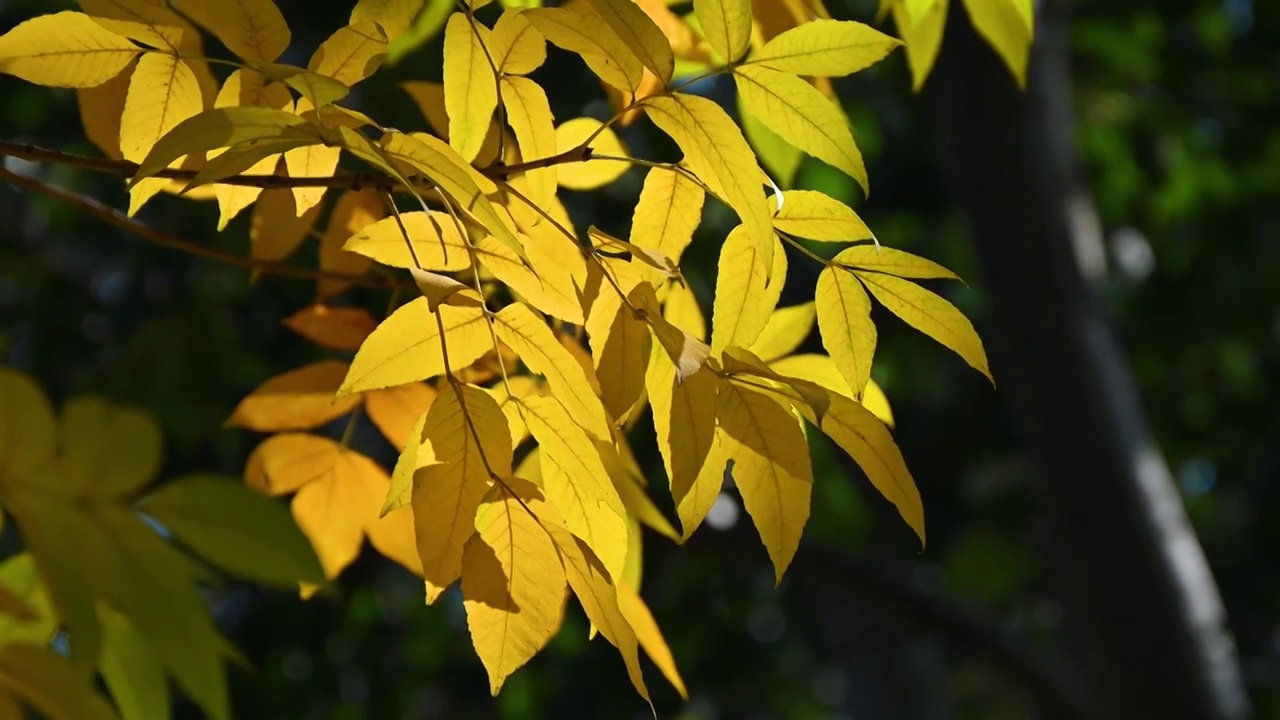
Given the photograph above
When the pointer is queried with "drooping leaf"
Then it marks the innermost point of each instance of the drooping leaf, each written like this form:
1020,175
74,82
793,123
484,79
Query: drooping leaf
932,315
646,629
681,309
684,419
132,673
100,109
667,213
825,48
163,92
923,37
240,531
786,329
745,295
726,25
470,87
844,319
1008,26
66,49
620,345
276,227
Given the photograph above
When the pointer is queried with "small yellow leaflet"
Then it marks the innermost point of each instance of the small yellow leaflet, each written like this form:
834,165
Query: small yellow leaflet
844,319
66,49
406,346
932,315
470,88
786,329
516,45
593,173
434,234
825,48
590,37
351,54
667,213
813,215
892,262
1008,26
393,16
529,115
923,38
726,25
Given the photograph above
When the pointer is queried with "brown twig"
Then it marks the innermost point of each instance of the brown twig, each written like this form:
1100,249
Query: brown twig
349,181
114,217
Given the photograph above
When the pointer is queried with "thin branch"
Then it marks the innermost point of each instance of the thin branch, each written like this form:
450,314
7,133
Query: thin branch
114,217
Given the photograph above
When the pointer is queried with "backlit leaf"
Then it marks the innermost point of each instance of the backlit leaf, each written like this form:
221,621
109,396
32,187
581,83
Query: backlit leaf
221,127
681,309
406,346
786,329
816,216
529,115
1007,25
593,173
726,25
276,228
394,16
620,346
336,328
351,54
517,46
434,234
825,48
27,438
641,35
163,92
684,419
667,213
923,37
66,49
132,673
100,109
554,298
891,262
148,23
590,37
932,315
295,400
252,29
395,410
844,319
745,296
470,88
354,211
650,637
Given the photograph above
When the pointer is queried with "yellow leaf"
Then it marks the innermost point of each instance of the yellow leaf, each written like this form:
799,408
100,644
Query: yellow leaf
641,35
26,426
844,319
48,682
394,536
1008,26
543,293
252,29
336,328
354,211
513,585
310,161
875,401
769,460
100,110
521,386
334,508
682,310
931,314
667,213
395,410
245,88
781,158
429,96
218,128
447,493
590,37
436,242
726,25
576,482
236,529
592,173
406,346
891,262
786,329
470,88
351,54
816,216
923,37
714,146
650,637
747,291
516,45
684,421
276,228
640,509
163,92
529,115
620,346
414,454
802,116
537,347
296,400
825,48
822,371
140,20
599,598
283,463
107,450
393,16
66,49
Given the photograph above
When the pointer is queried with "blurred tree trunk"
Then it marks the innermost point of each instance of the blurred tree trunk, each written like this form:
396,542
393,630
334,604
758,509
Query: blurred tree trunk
1143,610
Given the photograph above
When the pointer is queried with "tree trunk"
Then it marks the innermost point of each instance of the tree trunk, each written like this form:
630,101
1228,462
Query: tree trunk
1144,612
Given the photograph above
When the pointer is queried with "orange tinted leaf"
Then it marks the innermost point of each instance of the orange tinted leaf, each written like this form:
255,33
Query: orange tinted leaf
336,328
296,400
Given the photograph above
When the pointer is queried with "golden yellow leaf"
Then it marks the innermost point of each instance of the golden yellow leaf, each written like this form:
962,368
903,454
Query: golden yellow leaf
590,37
513,584
640,510
816,216
334,509
931,314
336,328
641,35
147,22
252,29
786,329
283,463
875,401
593,173
825,48
296,400
26,426
681,309
100,110
276,229
684,421
537,347
727,26
354,211
769,460
529,115
802,116
667,213
163,92
923,37
576,481
107,450
351,54
779,157
1008,26
620,346
66,49
470,88
394,536
579,353
414,455
516,45
844,319
436,241
550,297
891,262
821,370
714,147
310,161
406,346
466,441
245,87
395,410
646,629
745,297
429,97
393,16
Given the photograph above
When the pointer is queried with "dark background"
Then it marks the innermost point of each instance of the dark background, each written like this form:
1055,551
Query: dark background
1176,137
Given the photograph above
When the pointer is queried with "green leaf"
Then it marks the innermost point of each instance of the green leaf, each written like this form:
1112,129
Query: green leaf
50,683
108,450
26,425
133,675
236,529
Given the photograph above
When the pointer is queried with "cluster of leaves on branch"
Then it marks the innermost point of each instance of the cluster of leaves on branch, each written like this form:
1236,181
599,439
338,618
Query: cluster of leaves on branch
511,382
